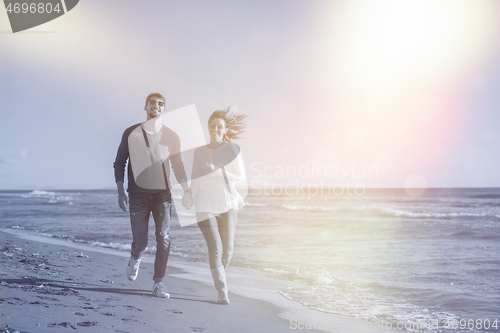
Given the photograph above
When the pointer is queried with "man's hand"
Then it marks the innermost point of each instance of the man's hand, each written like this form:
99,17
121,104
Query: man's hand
187,200
122,197
123,201
210,168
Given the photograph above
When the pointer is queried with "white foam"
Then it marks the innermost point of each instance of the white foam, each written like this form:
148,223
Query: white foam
309,208
39,193
116,246
399,213
254,204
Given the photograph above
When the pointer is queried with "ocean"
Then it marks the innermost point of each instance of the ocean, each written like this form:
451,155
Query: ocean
384,256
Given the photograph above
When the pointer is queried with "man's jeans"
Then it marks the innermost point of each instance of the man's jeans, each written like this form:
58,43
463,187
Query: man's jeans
141,205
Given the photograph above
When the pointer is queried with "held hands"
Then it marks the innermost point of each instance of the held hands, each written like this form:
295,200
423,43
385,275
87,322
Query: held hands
187,200
210,168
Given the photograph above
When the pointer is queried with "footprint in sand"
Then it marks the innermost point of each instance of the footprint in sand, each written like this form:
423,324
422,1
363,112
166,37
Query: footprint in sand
63,324
39,303
8,329
88,308
87,323
129,319
175,311
49,298
198,329
130,307
113,299
109,314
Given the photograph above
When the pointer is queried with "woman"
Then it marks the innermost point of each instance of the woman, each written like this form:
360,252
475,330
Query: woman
216,169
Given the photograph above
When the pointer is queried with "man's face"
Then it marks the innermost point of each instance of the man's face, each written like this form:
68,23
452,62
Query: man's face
154,107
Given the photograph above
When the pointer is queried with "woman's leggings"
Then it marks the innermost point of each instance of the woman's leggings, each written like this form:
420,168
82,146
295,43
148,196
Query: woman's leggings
219,235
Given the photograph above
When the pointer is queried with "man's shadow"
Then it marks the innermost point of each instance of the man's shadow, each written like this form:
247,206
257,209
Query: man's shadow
63,285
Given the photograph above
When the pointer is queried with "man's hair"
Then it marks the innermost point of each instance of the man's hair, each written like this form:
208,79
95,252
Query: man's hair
155,94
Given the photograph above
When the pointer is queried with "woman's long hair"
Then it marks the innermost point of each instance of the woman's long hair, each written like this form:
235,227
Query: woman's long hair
234,118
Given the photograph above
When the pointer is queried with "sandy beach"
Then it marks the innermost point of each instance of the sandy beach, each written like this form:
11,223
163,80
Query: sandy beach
50,285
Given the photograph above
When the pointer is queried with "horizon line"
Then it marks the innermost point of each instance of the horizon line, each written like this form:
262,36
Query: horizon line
110,188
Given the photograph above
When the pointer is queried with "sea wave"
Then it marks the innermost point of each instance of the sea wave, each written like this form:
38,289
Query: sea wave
60,199
39,193
119,246
276,270
387,211
361,301
309,208
53,197
250,204
116,246
402,213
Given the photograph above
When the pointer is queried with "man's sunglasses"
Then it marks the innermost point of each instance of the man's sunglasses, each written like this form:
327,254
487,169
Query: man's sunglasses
160,103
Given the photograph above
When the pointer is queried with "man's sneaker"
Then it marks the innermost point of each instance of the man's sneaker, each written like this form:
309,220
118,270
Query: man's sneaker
133,268
160,290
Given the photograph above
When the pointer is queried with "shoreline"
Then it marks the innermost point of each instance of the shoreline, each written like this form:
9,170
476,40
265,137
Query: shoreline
90,288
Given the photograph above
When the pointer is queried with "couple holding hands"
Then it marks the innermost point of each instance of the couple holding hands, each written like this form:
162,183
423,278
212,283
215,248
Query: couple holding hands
149,148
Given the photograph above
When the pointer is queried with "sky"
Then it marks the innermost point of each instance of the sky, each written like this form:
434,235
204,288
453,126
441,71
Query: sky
352,93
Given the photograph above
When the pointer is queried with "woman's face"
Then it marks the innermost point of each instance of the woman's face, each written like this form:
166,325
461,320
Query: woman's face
217,129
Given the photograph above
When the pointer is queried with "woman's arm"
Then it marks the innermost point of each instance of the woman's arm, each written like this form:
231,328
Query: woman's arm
196,173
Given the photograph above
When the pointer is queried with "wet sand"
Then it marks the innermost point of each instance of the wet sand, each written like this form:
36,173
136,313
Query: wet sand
56,286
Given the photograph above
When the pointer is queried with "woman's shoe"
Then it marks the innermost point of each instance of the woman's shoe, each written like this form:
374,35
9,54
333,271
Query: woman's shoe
219,276
225,262
223,300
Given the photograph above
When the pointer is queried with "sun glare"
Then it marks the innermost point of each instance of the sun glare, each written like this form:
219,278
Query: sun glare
397,72
393,41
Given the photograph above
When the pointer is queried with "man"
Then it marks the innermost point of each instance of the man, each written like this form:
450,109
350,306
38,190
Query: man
149,147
